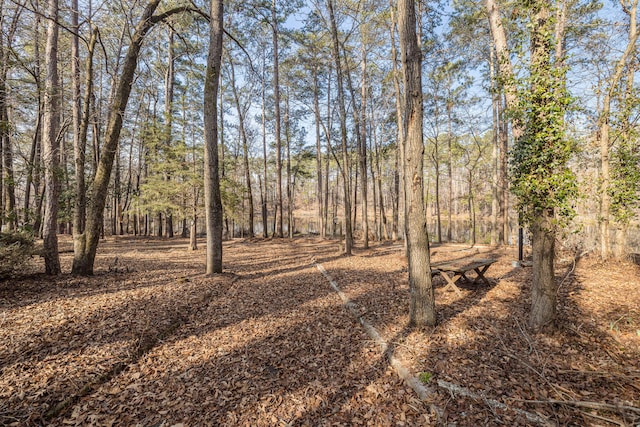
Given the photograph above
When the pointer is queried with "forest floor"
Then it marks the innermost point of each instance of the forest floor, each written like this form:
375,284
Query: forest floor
149,340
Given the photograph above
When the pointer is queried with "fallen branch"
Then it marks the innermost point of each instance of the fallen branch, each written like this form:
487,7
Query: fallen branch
494,404
585,404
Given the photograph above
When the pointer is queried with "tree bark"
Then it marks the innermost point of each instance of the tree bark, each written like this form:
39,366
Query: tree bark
363,152
263,191
245,148
8,209
422,309
168,114
604,126
276,99
79,147
395,203
212,197
84,257
543,289
345,169
319,181
51,143
505,71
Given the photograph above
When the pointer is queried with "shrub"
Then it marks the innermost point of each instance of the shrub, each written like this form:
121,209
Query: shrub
15,251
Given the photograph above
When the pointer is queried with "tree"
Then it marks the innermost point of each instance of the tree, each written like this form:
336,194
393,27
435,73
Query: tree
85,252
7,177
544,185
422,311
212,198
345,168
604,127
245,149
51,143
277,118
506,86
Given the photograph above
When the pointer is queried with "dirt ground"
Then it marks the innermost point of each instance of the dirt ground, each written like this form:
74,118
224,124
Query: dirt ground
150,341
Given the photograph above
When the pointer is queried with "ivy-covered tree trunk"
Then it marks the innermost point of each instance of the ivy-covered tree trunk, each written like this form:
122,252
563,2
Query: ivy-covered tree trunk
422,309
544,185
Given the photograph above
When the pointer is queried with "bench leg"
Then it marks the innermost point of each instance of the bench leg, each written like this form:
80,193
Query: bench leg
480,274
451,281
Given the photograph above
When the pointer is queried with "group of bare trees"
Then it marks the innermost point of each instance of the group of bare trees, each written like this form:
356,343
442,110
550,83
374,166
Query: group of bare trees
112,113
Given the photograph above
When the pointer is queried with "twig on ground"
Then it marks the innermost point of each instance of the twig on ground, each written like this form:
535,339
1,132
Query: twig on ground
586,404
609,420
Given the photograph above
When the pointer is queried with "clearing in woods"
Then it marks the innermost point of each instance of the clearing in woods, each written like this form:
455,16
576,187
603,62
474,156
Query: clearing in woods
149,340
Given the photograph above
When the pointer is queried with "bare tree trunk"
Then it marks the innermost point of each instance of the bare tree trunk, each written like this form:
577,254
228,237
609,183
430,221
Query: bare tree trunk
51,144
79,147
264,192
316,112
85,257
363,153
168,114
422,309
8,209
436,162
343,132
400,136
276,98
604,126
449,172
245,148
505,72
495,195
32,167
212,196
544,290
287,136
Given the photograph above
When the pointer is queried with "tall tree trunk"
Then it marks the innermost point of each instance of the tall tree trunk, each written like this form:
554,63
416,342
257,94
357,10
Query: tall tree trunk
245,148
276,99
264,191
33,167
505,72
543,289
85,256
287,136
79,147
345,170
495,194
8,209
363,152
422,309
399,118
212,196
316,114
436,162
51,144
604,126
449,171
168,114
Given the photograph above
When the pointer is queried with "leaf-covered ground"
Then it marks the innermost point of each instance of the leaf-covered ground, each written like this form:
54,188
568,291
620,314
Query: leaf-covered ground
150,341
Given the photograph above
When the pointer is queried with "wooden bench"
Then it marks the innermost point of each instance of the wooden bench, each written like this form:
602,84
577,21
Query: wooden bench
459,269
